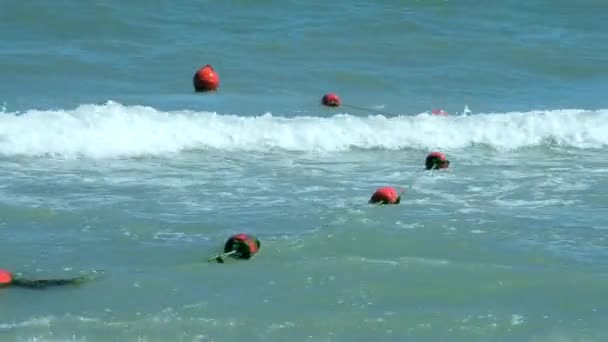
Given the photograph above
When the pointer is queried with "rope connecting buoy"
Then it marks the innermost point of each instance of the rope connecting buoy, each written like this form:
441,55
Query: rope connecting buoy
331,100
239,246
436,160
6,278
385,195
206,79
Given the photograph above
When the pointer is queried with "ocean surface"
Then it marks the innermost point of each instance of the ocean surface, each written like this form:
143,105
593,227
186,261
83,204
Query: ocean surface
113,168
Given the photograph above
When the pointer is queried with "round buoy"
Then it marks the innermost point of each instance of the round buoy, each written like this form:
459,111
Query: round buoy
6,278
436,160
385,195
331,100
439,112
206,79
244,246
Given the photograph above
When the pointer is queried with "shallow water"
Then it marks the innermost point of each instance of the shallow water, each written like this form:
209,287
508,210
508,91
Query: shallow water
110,163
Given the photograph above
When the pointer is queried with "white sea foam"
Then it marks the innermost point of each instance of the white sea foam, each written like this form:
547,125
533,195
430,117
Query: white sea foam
113,130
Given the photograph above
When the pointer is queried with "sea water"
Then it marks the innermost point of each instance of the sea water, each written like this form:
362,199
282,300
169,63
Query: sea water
111,166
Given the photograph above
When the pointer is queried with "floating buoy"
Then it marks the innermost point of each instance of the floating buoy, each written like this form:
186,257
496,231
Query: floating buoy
6,278
385,195
331,100
245,246
206,79
436,160
239,246
439,112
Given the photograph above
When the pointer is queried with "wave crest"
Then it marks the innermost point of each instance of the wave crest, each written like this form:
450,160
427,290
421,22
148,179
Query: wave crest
113,130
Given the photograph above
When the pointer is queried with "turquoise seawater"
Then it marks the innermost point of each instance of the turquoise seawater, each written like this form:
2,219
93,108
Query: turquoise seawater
111,166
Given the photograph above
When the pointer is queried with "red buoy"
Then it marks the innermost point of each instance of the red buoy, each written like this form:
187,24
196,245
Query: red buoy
439,112
6,278
206,79
385,195
331,100
242,246
436,160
